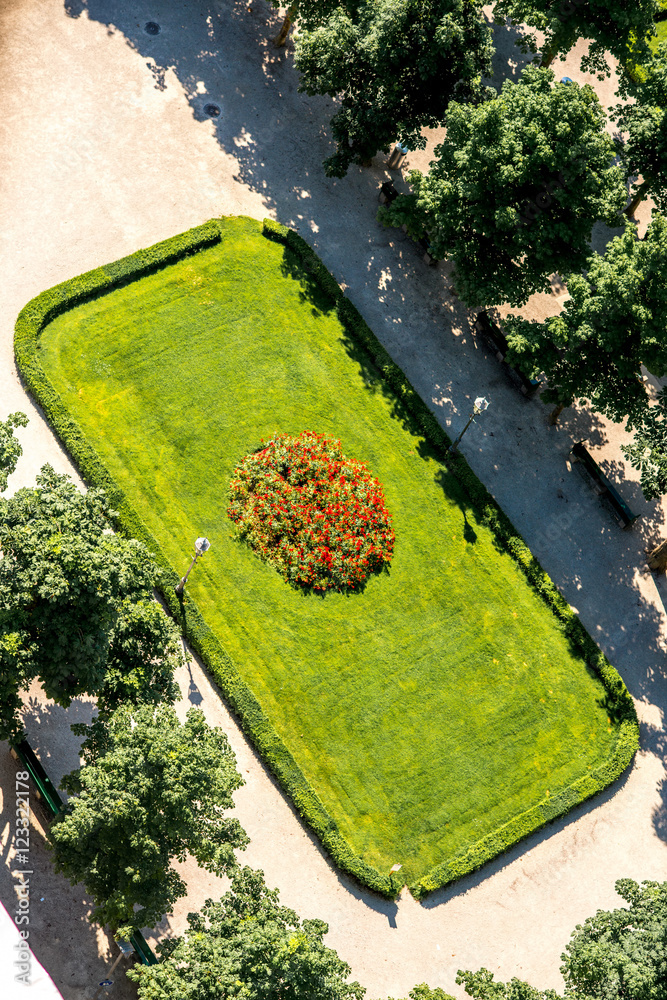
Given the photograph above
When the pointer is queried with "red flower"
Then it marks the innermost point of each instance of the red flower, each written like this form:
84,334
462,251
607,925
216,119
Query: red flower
293,485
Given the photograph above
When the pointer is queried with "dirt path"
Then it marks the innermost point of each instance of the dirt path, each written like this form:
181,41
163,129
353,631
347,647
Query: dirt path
107,148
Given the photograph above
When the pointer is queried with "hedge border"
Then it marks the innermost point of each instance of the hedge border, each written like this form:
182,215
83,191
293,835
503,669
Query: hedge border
42,309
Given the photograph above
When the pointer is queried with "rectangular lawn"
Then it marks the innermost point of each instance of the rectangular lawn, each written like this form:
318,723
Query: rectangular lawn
426,711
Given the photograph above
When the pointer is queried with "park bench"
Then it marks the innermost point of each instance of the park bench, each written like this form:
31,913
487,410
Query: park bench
53,804
495,338
44,787
142,949
606,489
388,193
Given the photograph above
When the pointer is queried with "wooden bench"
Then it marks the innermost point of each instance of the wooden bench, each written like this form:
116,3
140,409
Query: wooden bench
606,487
495,338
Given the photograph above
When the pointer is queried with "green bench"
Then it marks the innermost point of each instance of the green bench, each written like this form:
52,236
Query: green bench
49,798
142,949
46,790
606,488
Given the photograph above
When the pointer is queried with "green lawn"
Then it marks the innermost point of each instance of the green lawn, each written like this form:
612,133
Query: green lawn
657,39
661,29
661,35
425,712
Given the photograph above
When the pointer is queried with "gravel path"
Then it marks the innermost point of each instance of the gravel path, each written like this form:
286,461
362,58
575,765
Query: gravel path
107,149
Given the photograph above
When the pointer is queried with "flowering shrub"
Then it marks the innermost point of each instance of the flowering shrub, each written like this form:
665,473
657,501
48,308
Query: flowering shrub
318,517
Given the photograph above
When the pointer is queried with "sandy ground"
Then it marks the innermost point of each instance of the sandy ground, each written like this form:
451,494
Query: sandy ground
76,953
106,149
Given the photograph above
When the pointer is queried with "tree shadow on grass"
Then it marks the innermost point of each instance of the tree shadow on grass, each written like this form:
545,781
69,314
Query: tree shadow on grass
374,382
295,267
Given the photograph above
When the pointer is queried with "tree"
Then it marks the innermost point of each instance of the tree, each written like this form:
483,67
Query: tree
151,790
645,121
144,650
248,946
482,986
516,188
614,322
621,953
424,992
616,955
10,449
64,581
613,25
395,64
648,454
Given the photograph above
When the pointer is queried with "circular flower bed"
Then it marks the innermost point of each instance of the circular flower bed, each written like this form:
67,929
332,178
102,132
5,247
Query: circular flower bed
318,517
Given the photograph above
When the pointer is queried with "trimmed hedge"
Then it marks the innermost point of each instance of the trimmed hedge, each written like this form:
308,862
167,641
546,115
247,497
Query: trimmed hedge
254,722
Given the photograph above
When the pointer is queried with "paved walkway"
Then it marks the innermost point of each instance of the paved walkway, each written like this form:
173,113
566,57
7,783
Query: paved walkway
107,149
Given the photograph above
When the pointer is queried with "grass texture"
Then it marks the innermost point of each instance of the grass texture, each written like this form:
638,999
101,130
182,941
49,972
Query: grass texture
452,707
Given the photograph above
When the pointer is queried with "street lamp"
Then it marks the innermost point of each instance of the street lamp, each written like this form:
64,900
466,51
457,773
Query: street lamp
126,950
202,545
393,871
479,406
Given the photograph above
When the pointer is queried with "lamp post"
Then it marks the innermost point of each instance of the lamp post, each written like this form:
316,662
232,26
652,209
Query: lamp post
126,949
479,406
202,545
393,871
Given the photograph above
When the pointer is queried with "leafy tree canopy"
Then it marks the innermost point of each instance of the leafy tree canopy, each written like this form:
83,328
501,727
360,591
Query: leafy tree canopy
424,992
482,986
515,188
150,791
619,954
395,64
144,650
66,586
10,449
615,321
247,945
648,451
645,121
613,25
